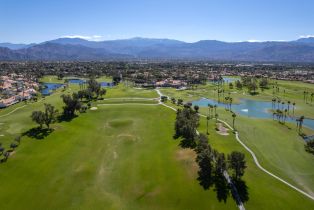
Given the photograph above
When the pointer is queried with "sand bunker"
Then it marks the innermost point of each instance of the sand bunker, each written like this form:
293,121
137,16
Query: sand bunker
221,130
93,108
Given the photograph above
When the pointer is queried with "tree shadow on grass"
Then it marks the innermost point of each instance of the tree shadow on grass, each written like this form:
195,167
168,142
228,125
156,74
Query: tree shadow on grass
66,118
242,190
38,133
221,188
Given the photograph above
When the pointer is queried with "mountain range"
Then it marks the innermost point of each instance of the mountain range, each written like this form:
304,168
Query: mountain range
76,49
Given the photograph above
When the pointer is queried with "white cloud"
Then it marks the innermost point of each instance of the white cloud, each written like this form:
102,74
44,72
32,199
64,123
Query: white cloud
307,36
89,38
255,40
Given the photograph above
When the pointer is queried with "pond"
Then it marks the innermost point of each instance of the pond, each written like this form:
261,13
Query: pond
230,79
252,108
49,88
76,81
107,84
81,81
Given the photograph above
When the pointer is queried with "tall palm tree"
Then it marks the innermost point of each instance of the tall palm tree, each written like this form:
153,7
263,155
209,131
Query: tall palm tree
283,104
207,119
215,107
230,102
293,106
278,101
285,115
301,119
233,119
209,107
288,106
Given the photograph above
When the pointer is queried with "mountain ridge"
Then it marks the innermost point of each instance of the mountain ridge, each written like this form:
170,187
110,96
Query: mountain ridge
301,50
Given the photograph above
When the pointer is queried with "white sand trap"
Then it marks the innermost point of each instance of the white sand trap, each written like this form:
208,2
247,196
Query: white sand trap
1,135
222,130
93,108
244,110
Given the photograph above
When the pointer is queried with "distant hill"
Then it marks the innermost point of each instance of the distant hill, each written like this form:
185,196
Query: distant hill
306,40
301,50
15,46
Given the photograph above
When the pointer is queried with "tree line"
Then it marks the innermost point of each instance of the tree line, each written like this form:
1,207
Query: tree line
212,164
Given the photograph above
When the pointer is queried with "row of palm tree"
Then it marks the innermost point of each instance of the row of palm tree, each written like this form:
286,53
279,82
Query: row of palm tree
277,104
212,112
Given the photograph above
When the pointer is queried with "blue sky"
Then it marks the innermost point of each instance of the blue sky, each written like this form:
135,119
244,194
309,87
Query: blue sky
26,21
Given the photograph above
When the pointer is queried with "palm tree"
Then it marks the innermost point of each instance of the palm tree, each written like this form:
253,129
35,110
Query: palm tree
293,104
233,120
208,109
282,103
274,114
215,107
288,106
285,115
230,102
207,119
216,116
301,123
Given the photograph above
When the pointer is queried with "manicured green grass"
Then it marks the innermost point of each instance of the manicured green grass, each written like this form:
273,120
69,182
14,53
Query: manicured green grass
104,79
278,147
265,192
51,79
122,157
123,91
118,160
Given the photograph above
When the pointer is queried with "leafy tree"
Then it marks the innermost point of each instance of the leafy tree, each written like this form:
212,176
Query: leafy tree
94,87
205,162
236,162
263,84
102,92
72,104
187,120
233,119
179,102
221,165
163,98
238,84
50,114
196,108
13,145
173,100
309,146
38,117
252,87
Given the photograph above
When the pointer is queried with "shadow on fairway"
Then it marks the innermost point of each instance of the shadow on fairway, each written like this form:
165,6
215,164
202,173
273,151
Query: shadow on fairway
242,190
238,190
221,188
65,118
38,133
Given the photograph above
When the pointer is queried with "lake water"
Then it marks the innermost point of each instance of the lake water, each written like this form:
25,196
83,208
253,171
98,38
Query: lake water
230,79
106,84
50,87
76,81
252,108
81,81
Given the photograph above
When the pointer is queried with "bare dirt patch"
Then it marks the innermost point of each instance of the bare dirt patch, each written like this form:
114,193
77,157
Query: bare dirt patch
187,158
